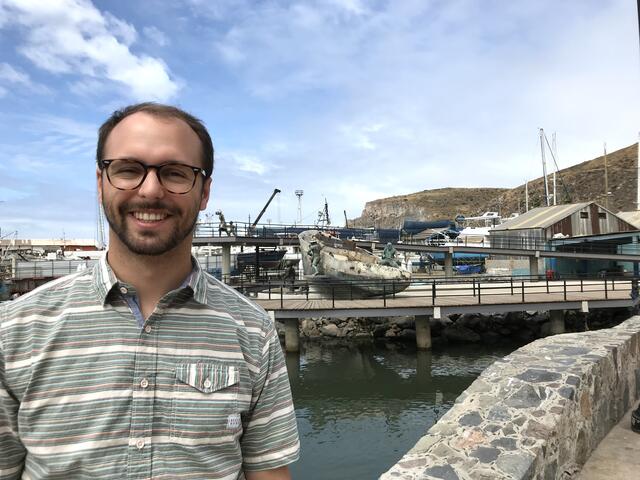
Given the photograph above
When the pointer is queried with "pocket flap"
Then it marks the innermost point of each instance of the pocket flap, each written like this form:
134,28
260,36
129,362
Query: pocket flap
207,377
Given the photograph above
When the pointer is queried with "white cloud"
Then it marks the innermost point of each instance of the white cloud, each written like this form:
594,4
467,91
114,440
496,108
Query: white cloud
73,37
11,75
248,163
156,35
3,91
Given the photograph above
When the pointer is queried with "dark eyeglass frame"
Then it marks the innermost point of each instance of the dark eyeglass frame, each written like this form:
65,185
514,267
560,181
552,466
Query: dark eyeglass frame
104,165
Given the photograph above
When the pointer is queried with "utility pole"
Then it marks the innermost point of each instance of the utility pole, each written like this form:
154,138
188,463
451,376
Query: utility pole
299,194
526,196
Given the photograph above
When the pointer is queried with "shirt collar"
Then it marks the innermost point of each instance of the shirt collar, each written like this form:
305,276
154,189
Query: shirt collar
105,280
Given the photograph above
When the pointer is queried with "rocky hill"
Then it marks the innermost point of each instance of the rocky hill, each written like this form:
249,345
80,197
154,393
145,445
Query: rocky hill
579,183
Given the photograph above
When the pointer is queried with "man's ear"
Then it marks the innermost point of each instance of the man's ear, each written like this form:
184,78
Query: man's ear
206,190
99,183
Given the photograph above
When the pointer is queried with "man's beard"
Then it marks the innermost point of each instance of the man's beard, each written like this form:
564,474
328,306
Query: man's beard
118,223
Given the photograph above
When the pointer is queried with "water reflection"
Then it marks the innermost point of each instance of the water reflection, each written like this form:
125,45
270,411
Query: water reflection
360,407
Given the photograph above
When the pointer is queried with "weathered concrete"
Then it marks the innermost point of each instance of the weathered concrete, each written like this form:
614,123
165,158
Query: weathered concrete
423,332
556,320
617,456
448,265
291,335
226,263
536,414
533,266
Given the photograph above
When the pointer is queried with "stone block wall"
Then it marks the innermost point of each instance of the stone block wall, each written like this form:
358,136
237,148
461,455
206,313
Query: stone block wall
536,414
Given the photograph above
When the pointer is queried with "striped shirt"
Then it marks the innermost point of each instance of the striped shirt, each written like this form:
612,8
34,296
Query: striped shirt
200,391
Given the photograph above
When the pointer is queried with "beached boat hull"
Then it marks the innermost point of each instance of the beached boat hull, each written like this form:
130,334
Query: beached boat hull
346,271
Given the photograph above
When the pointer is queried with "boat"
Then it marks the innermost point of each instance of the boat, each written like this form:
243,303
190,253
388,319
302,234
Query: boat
339,268
269,259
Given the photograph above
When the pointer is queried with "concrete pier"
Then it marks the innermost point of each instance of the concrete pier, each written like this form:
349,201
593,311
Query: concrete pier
448,264
533,266
291,335
226,262
556,318
423,332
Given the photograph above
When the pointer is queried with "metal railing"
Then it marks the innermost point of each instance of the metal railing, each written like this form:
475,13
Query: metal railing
478,290
277,231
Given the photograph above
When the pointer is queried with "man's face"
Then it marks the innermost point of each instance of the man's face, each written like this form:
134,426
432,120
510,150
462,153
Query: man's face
149,220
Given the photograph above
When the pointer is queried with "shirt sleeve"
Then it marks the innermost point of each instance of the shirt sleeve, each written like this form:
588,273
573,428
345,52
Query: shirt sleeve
12,452
270,438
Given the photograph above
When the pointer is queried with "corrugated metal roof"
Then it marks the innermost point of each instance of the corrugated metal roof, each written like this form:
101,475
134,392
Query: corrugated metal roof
541,217
632,217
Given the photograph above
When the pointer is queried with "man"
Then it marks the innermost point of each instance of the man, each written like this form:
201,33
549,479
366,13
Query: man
144,366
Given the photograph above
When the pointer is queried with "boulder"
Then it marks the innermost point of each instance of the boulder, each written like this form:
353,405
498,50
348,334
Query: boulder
460,334
330,330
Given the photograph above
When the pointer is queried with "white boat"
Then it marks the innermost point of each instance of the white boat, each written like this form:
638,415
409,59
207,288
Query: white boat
340,268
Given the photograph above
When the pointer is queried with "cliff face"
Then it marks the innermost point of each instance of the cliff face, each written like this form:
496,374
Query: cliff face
441,203
579,183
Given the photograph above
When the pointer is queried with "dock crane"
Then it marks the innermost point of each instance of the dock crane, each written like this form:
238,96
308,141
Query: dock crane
264,209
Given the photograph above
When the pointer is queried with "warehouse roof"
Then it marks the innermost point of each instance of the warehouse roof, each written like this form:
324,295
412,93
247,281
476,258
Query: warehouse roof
541,217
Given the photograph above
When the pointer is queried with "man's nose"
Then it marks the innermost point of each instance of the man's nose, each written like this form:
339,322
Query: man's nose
151,187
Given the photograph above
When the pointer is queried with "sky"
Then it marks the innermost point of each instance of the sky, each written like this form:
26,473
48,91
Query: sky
348,100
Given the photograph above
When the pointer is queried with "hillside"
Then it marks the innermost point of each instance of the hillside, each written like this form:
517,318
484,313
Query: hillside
583,182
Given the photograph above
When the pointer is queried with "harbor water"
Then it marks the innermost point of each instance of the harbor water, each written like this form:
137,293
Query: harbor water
361,407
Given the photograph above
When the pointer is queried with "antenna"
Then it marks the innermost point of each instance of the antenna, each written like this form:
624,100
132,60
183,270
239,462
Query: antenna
299,194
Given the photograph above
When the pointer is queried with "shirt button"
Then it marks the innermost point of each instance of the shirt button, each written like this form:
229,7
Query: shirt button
144,383
207,383
147,328
123,290
140,444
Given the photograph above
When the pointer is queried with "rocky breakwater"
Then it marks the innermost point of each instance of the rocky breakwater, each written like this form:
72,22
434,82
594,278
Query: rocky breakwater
518,327
536,414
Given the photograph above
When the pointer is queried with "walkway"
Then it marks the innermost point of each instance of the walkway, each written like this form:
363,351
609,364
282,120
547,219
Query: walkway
617,456
457,298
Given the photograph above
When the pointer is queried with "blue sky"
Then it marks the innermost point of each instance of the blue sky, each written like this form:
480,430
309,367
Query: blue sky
351,100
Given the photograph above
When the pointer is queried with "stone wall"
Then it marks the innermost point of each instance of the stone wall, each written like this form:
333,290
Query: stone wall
508,328
536,414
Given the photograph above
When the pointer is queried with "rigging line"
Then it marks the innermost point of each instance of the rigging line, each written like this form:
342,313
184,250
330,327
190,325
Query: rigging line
564,186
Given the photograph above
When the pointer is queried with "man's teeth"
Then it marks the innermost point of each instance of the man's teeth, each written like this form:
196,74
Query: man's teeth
149,217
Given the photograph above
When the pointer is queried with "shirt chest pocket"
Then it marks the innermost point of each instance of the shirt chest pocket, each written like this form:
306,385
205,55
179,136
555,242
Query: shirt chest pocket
205,403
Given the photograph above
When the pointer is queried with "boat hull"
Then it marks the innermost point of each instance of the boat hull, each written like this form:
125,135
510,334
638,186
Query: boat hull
346,271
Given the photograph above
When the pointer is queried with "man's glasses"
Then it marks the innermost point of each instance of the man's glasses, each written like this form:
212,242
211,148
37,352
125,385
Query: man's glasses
127,174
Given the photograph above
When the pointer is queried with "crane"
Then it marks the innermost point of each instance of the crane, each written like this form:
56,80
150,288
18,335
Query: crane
264,209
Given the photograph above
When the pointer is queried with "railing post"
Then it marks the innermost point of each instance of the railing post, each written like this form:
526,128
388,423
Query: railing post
479,295
433,292
522,286
268,285
606,290
393,289
384,295
581,285
511,282
474,287
308,288
547,279
333,296
351,290
281,296
613,284
565,289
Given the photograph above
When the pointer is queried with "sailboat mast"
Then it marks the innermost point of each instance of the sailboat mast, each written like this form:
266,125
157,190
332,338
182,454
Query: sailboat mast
606,179
544,167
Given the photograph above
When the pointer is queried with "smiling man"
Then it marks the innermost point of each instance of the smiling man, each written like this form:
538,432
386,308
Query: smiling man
144,366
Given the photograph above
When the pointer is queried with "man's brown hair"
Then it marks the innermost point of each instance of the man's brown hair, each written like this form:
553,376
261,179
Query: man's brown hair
160,110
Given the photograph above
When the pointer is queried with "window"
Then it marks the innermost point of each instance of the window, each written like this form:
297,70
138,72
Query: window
602,215
584,214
